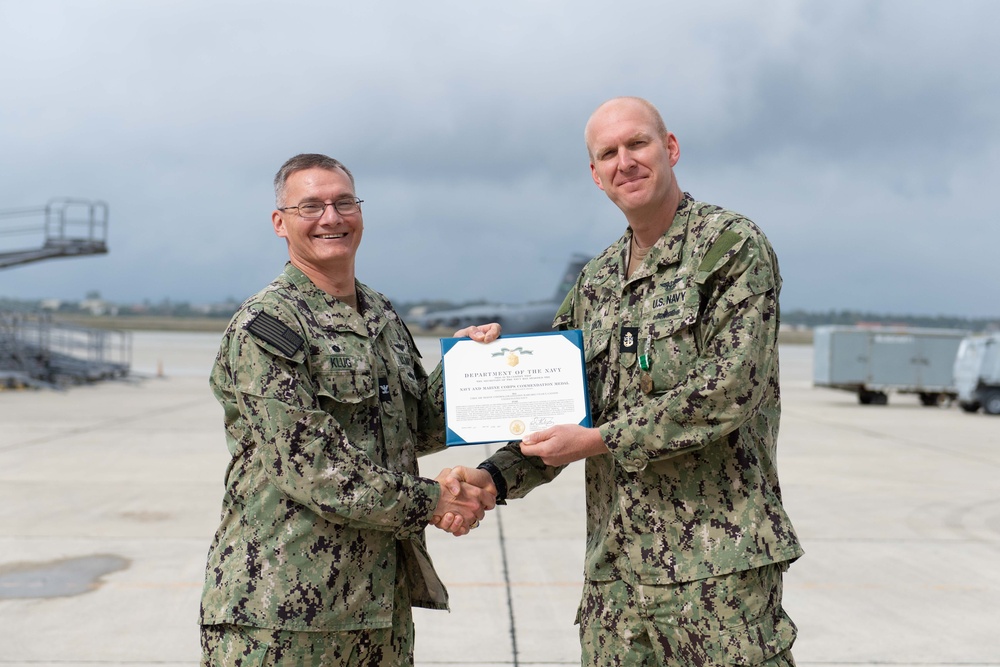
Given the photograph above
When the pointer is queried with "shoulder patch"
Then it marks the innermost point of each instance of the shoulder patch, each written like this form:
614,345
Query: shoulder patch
272,330
564,315
722,245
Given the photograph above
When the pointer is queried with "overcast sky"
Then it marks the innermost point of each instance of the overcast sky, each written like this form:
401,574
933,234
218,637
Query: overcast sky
861,136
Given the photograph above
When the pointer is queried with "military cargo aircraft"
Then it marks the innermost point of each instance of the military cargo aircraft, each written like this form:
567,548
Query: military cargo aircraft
531,317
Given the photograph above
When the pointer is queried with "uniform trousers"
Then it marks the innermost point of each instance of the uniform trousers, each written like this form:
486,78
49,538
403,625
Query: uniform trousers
230,645
734,619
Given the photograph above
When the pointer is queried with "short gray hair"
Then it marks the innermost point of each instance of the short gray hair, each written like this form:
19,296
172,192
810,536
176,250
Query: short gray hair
300,162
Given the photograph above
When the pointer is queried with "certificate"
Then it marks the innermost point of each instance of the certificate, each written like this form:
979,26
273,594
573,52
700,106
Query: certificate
519,384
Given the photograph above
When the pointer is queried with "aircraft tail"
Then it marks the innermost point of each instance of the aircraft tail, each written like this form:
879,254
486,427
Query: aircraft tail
573,269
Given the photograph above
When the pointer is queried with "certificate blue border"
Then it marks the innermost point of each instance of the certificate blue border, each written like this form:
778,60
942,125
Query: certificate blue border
574,336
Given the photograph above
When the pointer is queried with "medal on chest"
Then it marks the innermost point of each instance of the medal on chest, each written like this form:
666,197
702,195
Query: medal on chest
645,379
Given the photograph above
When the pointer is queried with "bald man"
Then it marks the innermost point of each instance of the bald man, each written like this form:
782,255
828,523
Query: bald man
687,538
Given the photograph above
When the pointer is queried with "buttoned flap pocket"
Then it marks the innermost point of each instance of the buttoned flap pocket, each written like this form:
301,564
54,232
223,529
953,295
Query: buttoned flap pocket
753,274
758,279
345,386
596,336
413,388
341,395
597,353
674,311
262,369
221,641
662,330
757,642
408,377
670,346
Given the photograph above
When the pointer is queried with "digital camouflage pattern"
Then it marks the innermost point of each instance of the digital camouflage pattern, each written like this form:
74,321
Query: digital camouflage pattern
733,619
240,646
325,412
689,489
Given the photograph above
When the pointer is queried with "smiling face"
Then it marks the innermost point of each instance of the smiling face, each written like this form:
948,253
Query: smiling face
632,158
327,245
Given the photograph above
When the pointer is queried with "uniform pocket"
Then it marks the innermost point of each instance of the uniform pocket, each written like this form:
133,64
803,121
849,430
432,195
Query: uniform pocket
596,345
346,386
413,387
341,395
731,619
408,379
229,644
595,340
759,641
670,346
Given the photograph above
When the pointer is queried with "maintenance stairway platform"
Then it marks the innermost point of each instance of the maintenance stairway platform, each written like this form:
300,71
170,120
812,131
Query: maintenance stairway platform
62,228
36,351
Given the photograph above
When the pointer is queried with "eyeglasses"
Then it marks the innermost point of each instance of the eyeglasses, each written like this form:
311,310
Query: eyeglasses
314,210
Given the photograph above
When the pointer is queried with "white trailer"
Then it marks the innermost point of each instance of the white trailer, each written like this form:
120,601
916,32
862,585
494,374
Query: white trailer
977,373
876,361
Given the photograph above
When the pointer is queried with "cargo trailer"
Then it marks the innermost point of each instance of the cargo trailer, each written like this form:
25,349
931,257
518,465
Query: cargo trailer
876,361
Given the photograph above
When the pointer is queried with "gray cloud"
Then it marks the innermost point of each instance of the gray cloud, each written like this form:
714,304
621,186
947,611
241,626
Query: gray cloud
861,136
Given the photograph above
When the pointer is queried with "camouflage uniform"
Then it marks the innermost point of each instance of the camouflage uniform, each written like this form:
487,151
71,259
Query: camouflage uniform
326,411
689,491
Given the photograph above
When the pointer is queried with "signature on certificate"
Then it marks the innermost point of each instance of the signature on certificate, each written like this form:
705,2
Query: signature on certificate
539,423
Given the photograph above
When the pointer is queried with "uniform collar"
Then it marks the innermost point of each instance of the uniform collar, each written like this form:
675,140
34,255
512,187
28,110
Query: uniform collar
667,249
327,310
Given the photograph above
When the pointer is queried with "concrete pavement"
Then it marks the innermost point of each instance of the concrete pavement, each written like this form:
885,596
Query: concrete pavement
117,487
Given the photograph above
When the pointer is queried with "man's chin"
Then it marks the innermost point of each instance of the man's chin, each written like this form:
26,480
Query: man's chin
633,200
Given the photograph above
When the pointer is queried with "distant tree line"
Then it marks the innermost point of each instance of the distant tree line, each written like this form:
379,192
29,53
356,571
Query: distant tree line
96,306
789,318
802,318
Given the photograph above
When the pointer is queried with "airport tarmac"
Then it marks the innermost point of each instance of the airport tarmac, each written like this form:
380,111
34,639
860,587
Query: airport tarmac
110,494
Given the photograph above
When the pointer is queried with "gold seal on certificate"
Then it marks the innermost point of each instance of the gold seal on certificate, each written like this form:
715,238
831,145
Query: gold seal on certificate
516,385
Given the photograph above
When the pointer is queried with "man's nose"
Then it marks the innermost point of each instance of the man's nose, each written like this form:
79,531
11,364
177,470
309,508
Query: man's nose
331,213
625,160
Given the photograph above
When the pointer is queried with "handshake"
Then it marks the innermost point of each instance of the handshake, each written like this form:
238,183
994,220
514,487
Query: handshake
466,495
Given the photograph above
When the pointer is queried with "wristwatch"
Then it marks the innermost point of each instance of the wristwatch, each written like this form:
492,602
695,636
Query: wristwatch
498,481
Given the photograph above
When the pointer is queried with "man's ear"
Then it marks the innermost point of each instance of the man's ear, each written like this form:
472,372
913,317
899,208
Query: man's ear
673,148
278,222
593,175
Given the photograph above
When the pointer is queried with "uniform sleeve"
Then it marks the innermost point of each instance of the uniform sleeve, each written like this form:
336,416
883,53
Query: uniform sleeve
304,451
522,473
737,360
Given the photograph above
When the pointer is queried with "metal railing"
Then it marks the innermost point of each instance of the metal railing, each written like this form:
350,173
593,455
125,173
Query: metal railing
36,351
65,227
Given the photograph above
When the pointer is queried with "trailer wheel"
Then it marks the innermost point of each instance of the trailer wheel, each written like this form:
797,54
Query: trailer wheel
991,403
866,397
929,399
968,407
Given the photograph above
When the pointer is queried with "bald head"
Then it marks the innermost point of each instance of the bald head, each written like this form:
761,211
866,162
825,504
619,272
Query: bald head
632,158
613,107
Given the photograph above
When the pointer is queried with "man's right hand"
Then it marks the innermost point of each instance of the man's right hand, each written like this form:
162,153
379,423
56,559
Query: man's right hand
463,489
484,333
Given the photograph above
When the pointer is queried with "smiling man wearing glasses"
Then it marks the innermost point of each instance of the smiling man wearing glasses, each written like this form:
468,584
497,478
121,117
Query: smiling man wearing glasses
320,553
